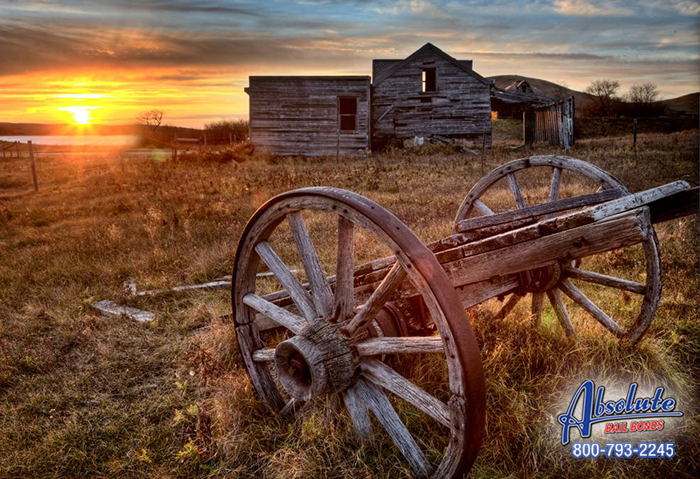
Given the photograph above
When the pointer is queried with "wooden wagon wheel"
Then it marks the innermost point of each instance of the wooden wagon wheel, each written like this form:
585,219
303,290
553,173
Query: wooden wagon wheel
556,280
326,355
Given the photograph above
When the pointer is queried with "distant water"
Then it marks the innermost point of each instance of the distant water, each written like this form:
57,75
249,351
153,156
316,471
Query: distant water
76,140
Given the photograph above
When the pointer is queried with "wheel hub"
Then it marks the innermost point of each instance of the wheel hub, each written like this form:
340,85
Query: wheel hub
539,280
319,360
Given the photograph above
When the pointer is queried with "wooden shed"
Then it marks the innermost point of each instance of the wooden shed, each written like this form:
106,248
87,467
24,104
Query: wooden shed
310,115
429,94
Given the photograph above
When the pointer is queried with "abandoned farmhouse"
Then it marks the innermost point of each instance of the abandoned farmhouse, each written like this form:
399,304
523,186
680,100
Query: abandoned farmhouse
429,94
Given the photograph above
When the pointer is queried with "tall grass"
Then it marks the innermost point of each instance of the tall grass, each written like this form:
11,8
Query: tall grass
84,395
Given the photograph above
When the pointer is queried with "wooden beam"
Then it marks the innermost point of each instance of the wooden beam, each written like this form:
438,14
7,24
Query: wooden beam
540,251
676,205
533,212
400,345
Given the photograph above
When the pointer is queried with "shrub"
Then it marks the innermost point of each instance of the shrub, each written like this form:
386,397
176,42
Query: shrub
223,131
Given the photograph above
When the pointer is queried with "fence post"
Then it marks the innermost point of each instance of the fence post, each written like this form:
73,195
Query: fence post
634,128
31,159
230,139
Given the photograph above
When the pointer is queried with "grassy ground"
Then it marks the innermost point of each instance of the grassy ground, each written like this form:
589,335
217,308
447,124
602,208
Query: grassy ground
84,395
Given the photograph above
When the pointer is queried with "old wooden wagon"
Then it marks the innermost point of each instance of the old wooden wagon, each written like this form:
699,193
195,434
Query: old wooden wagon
349,337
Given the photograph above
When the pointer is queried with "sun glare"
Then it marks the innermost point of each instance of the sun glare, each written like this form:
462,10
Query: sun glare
81,114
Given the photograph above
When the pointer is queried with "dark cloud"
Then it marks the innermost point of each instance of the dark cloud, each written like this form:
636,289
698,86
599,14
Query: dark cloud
26,47
187,6
115,6
564,56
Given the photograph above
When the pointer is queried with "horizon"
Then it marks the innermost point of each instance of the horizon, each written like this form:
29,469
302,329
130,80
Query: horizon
78,62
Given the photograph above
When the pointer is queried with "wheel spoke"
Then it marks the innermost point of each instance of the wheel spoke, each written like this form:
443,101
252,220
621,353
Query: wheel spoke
264,355
379,404
382,375
298,293
557,303
399,345
513,183
378,298
537,303
292,406
359,413
344,286
322,295
483,209
555,184
582,300
279,315
508,307
606,280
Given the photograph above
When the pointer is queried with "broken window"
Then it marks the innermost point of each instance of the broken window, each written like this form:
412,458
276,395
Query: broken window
429,80
347,110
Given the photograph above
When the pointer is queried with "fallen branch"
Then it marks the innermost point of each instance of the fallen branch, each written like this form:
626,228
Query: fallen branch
110,308
220,283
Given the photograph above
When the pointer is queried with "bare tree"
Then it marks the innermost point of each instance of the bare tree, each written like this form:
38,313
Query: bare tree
644,93
604,93
151,118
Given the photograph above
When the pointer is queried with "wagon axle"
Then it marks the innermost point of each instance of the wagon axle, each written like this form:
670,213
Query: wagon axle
540,280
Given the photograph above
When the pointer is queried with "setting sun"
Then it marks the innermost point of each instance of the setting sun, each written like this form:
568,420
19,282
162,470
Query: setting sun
81,114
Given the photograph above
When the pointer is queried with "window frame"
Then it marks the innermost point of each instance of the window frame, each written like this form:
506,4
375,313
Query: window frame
346,115
425,82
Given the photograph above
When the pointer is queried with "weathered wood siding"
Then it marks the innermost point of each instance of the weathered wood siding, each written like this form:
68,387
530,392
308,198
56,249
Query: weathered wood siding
460,108
553,124
299,115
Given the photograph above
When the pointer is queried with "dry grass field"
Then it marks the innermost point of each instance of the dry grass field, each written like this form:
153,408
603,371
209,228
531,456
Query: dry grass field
83,395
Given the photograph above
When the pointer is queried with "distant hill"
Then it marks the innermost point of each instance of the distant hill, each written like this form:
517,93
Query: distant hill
686,105
42,129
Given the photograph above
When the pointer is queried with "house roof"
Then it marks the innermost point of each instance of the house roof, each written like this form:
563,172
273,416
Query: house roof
464,65
515,96
517,84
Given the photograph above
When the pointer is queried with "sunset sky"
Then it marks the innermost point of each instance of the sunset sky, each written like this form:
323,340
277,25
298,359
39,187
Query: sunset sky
111,59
